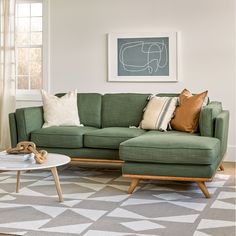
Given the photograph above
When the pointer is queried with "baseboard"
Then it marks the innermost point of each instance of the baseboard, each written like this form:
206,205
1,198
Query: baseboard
231,154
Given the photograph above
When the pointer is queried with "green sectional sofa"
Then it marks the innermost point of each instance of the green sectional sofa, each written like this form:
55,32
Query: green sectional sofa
109,136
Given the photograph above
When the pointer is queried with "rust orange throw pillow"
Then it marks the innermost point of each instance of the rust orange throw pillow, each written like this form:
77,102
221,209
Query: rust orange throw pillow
187,113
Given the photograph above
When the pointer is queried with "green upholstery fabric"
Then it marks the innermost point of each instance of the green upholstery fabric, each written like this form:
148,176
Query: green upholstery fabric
168,147
111,137
61,137
207,118
168,95
13,129
92,153
27,120
162,169
222,129
123,110
89,107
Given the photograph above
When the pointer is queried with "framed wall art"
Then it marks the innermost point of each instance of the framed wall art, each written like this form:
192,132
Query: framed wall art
142,57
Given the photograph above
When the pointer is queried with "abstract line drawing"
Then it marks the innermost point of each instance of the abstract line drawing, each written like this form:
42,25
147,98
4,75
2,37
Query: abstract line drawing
154,56
142,57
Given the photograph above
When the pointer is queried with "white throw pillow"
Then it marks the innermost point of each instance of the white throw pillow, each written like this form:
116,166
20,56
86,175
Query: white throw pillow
61,111
158,113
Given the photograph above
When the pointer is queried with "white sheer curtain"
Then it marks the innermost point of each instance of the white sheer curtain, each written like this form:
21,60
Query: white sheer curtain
7,68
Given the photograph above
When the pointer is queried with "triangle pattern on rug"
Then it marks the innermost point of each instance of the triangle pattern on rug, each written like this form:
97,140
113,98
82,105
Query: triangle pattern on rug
71,203
99,179
121,187
103,233
198,233
122,179
137,201
2,191
10,205
116,198
49,178
51,211
153,187
171,196
216,184
70,229
78,195
13,181
223,205
7,198
88,213
37,174
190,205
16,233
180,218
226,195
142,225
92,186
46,183
28,192
197,190
3,177
209,224
122,213
26,225
111,233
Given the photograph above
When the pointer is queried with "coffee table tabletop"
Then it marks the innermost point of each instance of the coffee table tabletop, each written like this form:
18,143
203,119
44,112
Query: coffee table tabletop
18,162
26,162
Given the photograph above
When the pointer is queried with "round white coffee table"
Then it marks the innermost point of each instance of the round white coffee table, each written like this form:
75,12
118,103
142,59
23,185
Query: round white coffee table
14,163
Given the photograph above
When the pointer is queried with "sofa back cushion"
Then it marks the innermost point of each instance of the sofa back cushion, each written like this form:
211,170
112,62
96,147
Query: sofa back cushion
89,107
123,109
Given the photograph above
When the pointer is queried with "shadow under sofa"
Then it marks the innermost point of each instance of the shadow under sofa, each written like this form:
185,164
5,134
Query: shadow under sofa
109,136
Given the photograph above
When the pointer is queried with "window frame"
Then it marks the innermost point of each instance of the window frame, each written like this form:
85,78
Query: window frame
34,94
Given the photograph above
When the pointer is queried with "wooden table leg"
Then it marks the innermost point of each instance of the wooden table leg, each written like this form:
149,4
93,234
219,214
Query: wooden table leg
18,181
57,183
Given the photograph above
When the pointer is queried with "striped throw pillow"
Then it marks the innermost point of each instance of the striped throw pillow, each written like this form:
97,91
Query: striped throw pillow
158,113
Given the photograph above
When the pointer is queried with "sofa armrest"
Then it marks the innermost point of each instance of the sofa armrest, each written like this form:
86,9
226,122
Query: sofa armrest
221,130
27,120
207,118
13,129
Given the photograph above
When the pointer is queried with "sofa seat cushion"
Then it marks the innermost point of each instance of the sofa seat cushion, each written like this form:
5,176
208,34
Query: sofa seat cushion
171,147
60,137
111,137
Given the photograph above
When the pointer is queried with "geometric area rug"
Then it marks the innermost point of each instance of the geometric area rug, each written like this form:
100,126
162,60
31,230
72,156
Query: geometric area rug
96,204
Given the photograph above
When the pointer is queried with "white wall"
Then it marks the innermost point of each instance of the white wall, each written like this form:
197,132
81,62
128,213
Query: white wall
206,45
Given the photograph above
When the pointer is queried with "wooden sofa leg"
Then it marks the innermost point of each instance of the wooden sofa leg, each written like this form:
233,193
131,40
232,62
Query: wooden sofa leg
222,167
203,188
133,185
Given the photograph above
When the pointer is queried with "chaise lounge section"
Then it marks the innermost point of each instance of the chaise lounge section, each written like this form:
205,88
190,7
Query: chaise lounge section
170,156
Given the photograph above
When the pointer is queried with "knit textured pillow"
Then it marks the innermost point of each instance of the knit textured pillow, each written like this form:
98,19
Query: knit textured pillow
61,111
158,113
187,113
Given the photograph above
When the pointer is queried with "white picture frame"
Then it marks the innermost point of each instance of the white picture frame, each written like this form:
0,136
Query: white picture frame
143,57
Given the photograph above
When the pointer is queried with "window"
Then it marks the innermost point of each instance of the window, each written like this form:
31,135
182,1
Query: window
29,45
